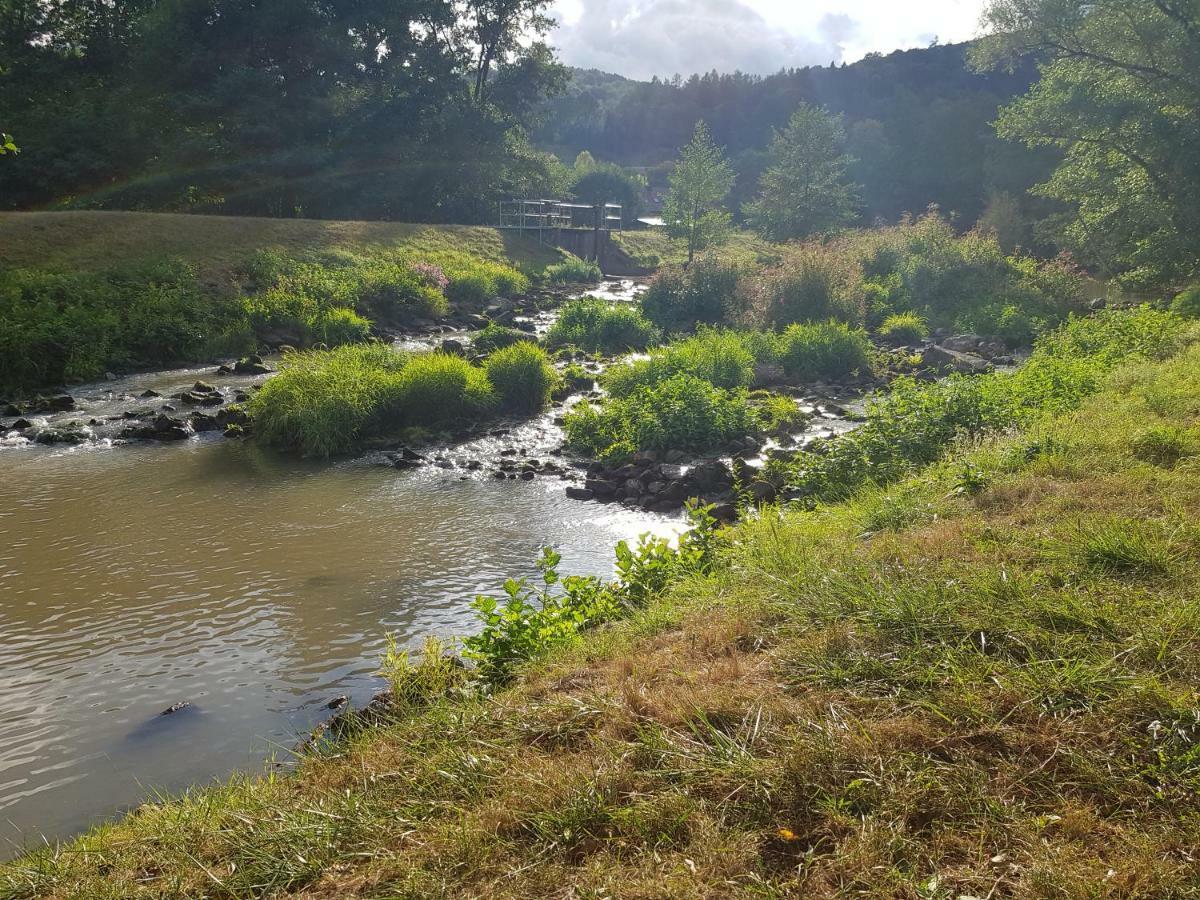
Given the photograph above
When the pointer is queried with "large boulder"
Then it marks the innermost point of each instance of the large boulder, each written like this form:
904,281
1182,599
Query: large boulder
947,360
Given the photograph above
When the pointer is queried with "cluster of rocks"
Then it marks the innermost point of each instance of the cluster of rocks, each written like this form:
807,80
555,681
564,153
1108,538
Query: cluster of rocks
248,365
38,405
232,421
967,354
648,484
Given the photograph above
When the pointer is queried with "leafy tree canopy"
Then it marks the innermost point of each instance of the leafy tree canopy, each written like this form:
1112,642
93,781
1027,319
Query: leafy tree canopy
694,206
805,190
1120,95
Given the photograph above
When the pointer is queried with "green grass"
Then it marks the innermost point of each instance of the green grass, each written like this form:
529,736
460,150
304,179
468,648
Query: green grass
681,412
326,403
493,337
85,293
219,246
598,326
573,270
331,402
925,693
903,328
653,248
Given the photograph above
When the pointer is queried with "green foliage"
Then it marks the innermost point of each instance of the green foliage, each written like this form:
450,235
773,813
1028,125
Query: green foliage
1187,303
473,282
812,285
522,377
325,403
725,359
804,191
904,328
64,327
1116,97
1165,445
532,620
573,270
914,423
600,183
681,412
704,293
434,677
599,326
694,206
823,350
1125,547
493,337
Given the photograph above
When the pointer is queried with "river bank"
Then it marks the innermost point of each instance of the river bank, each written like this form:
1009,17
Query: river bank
984,686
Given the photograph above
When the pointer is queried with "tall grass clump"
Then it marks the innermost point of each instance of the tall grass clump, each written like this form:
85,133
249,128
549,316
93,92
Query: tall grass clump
814,284
724,359
323,403
705,293
493,337
823,350
474,282
573,270
903,328
1187,303
599,326
522,377
680,413
329,402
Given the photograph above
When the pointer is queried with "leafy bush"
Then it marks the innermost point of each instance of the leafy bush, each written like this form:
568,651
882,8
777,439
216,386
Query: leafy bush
722,358
704,293
530,621
63,327
913,424
493,337
683,412
1187,304
823,350
522,377
325,403
904,328
599,326
813,285
573,270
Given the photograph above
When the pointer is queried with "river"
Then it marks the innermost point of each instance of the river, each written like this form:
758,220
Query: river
254,586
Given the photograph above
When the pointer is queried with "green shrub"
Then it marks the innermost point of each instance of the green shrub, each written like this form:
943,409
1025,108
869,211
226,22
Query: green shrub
438,389
824,350
683,412
573,270
473,282
522,377
328,402
599,326
1187,304
722,358
913,424
63,327
1164,445
493,337
323,403
705,293
904,328
814,284
335,327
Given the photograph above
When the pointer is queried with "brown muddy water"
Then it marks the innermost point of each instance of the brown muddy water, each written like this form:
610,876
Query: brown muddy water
255,587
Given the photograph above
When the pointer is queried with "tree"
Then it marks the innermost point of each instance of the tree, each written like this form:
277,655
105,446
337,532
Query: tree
805,190
606,183
694,206
1120,94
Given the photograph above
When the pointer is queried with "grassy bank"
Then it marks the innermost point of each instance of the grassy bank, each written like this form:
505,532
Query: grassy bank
218,246
953,686
86,293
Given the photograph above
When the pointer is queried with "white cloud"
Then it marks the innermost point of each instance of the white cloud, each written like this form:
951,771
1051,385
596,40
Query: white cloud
641,38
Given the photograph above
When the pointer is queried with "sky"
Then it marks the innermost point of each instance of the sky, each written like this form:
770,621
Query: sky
643,38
